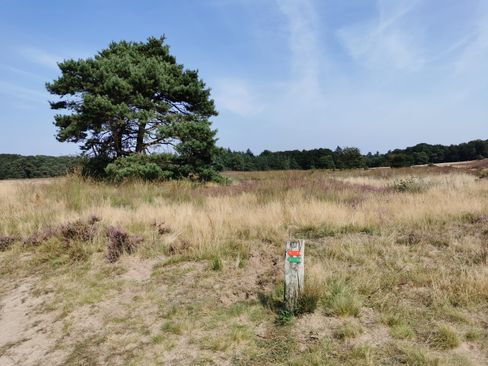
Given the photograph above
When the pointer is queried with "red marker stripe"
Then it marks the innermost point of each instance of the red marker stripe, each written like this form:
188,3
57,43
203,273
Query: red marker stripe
294,253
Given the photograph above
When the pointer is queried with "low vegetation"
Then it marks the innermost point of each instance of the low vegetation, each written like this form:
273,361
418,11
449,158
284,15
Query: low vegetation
185,273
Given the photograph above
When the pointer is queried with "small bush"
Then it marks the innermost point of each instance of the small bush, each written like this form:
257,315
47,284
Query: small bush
347,330
341,299
120,242
216,264
78,230
6,242
41,236
411,185
284,317
483,174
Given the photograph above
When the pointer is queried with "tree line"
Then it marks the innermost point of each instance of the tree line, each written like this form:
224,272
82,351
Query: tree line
350,157
40,166
14,166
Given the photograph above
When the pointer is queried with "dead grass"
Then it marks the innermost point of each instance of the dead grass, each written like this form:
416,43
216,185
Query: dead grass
394,275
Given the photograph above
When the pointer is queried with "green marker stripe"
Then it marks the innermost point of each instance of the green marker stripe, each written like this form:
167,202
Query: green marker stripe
294,259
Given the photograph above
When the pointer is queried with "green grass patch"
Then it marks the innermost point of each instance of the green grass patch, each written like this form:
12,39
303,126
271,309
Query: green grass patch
444,338
341,299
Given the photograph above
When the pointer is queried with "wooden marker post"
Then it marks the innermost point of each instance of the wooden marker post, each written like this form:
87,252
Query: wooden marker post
294,272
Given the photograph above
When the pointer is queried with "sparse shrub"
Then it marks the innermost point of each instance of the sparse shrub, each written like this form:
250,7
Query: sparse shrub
412,238
178,247
283,317
444,337
162,228
473,335
172,327
216,263
72,231
347,330
78,230
6,242
472,218
41,236
410,185
341,299
483,174
307,303
408,355
120,242
400,328
402,331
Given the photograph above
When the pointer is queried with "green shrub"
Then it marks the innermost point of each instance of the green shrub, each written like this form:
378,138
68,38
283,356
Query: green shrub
411,184
139,166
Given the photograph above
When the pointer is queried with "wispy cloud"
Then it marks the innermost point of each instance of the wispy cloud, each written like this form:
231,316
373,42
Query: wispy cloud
475,53
23,93
383,42
302,24
28,74
236,96
40,57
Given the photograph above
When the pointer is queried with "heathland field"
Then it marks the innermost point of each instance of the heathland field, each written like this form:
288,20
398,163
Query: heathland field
176,273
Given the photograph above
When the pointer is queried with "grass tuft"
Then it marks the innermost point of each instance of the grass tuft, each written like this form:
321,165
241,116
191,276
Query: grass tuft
444,338
341,299
216,263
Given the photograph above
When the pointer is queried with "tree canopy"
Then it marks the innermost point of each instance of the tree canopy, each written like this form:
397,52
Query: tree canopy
133,97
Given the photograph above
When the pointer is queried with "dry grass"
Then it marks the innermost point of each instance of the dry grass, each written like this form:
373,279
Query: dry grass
398,275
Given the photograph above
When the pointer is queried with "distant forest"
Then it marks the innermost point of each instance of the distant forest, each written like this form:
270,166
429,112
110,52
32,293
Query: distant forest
20,167
39,166
351,157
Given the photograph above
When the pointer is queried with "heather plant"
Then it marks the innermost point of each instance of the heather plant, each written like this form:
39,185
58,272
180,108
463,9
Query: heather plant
120,242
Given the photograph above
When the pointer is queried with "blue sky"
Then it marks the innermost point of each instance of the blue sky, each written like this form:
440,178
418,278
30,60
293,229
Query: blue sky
285,74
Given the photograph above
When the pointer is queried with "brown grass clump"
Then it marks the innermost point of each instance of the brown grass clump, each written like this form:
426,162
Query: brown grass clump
79,230
120,242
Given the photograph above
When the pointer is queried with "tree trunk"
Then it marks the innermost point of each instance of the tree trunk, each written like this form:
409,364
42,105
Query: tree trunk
117,137
140,137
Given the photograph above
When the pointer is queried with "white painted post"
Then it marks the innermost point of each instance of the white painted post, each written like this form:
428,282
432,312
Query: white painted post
294,272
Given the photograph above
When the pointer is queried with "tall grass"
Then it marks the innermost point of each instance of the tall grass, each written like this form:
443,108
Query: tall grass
383,259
